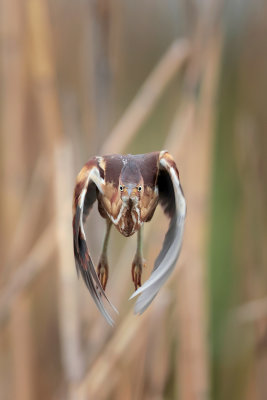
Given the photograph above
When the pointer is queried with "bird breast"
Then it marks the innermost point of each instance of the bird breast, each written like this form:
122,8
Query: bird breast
126,216
128,220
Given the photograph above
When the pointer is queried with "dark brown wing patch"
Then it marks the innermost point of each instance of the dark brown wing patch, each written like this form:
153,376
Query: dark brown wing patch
166,193
89,200
166,189
149,167
114,166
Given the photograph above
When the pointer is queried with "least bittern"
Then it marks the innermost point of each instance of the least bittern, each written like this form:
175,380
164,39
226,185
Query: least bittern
128,189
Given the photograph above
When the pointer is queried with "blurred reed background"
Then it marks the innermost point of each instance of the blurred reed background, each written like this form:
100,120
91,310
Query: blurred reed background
80,78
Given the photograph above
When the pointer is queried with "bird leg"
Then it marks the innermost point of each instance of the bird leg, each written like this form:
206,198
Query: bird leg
102,268
138,261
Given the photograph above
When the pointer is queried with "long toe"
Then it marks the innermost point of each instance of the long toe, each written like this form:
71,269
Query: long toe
136,274
102,272
137,267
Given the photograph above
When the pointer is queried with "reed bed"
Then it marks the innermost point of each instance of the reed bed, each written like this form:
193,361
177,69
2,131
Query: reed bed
65,97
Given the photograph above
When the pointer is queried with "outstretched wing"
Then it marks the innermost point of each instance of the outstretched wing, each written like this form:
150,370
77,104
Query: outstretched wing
89,180
172,199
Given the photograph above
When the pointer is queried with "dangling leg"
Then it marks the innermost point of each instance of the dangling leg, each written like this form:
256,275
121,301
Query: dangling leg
102,269
138,261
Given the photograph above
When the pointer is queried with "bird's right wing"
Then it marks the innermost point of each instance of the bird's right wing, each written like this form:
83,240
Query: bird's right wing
88,181
172,199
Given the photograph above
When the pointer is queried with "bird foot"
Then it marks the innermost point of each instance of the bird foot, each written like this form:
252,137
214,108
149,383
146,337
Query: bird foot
137,266
102,272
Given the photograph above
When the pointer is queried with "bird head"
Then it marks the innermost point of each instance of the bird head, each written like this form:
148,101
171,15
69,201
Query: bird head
131,192
131,184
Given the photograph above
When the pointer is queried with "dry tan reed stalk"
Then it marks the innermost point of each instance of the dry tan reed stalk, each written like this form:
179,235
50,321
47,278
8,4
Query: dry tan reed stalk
21,338
30,211
136,372
99,25
13,102
251,311
43,72
72,356
183,123
88,117
192,356
123,390
128,381
146,98
12,118
97,376
159,351
27,271
44,75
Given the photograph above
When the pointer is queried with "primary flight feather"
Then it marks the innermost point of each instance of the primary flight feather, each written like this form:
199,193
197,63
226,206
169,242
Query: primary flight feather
128,189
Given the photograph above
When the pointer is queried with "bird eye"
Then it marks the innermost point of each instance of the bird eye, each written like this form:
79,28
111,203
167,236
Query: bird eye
139,188
121,188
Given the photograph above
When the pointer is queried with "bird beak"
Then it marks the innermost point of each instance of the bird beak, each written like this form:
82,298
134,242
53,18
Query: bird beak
129,189
132,191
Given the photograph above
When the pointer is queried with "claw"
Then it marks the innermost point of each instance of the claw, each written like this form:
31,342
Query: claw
102,272
137,266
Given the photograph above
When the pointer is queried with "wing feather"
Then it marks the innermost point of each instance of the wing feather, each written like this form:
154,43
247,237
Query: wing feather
88,182
175,206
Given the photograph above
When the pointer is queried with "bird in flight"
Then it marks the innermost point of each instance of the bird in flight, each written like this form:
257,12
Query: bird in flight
128,189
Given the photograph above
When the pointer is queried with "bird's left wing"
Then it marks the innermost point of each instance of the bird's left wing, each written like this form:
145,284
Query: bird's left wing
89,180
172,199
